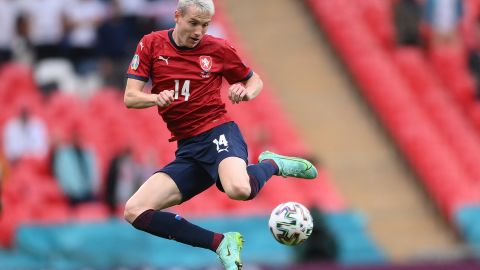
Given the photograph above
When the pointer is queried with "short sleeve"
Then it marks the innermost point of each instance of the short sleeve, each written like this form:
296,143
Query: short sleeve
141,64
234,69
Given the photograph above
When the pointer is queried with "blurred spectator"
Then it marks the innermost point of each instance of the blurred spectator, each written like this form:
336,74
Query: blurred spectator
115,46
75,168
45,26
321,246
55,74
8,20
149,164
133,11
473,47
161,12
407,17
443,18
25,135
123,179
83,18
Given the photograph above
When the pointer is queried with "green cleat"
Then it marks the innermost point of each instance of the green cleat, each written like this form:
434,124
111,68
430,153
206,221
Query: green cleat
229,251
291,166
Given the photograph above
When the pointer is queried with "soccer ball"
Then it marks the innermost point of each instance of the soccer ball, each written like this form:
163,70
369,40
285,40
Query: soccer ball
290,223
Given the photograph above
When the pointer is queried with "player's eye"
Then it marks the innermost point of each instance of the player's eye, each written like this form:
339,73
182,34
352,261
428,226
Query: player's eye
205,25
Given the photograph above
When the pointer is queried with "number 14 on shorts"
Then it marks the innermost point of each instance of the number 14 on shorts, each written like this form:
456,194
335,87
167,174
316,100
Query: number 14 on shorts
221,143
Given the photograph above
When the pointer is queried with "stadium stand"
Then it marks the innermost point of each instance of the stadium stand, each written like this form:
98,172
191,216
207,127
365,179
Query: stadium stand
40,230
420,100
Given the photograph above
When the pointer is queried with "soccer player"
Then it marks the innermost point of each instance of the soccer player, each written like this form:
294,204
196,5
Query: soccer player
186,67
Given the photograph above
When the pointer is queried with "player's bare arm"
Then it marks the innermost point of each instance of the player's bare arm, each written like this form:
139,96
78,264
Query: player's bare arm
245,91
165,98
137,99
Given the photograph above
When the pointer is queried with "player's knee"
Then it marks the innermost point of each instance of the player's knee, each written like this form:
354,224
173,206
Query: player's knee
238,191
132,211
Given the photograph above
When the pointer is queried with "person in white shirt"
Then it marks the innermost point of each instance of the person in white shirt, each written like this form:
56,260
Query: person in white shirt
83,18
444,17
8,18
45,20
25,135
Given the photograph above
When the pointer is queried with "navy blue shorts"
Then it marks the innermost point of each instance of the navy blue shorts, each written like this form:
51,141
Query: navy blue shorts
195,167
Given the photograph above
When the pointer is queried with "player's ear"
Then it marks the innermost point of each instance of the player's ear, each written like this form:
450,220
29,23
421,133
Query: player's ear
177,16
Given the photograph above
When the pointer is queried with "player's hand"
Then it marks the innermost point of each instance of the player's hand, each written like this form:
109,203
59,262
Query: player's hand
164,98
237,93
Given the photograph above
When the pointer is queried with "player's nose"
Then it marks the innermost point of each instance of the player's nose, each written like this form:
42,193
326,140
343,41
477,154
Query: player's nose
198,32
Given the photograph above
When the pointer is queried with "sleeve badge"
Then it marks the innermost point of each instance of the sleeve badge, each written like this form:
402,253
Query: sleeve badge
135,62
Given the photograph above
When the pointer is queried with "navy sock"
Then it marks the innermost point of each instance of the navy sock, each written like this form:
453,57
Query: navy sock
174,227
259,175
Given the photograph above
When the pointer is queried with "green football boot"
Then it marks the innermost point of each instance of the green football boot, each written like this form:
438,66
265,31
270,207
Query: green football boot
229,251
291,166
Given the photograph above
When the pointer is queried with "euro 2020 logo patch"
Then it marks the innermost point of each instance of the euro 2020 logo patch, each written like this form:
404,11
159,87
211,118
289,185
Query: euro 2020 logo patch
135,62
206,64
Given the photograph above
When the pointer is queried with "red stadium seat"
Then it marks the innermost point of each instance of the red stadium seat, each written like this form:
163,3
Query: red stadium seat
450,64
406,114
378,16
443,111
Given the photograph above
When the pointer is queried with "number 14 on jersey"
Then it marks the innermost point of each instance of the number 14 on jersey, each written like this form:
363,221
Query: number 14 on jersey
185,89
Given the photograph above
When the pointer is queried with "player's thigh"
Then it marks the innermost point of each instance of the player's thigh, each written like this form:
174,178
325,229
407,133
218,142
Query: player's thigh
159,192
233,175
190,178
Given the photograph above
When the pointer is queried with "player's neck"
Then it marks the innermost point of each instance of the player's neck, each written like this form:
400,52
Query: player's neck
175,38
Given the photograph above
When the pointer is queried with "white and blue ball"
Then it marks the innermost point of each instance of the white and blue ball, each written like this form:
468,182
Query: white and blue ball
291,223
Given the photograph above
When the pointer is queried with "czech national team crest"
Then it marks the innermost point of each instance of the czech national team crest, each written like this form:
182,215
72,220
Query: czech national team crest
206,64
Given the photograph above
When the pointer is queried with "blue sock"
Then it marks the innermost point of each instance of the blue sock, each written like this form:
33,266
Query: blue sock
174,227
259,175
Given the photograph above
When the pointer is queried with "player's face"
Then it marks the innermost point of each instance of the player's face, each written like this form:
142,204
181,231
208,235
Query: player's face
191,26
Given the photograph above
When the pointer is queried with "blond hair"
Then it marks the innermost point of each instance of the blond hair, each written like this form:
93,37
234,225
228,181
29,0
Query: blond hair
203,5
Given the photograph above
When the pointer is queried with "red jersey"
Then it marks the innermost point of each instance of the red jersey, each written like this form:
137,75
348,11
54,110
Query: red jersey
196,76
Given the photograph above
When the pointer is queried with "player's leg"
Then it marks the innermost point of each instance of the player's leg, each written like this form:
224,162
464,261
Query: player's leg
229,151
242,182
238,181
160,191
234,178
